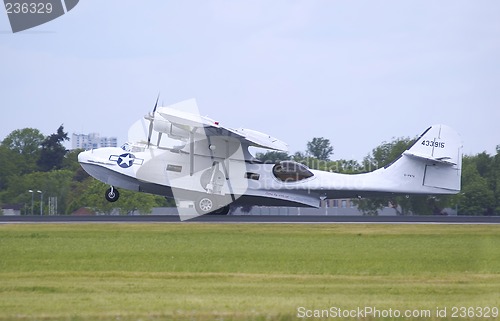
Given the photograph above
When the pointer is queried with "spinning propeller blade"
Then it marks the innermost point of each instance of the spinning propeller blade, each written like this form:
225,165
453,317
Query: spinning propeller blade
156,104
151,119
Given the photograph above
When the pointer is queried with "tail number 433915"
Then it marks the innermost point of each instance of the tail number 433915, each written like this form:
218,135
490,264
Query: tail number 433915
431,143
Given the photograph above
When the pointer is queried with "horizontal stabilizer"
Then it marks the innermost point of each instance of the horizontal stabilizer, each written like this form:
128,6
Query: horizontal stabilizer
441,160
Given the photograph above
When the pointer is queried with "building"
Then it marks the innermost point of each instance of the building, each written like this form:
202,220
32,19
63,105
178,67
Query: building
11,209
92,140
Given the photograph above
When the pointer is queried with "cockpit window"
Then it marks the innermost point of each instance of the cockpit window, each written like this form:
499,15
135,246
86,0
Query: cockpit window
126,147
132,148
288,171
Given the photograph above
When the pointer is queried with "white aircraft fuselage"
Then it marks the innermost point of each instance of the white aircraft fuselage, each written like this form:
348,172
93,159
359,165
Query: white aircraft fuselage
214,168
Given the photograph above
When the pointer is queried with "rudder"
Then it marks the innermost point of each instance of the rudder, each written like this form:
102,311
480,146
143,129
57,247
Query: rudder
440,147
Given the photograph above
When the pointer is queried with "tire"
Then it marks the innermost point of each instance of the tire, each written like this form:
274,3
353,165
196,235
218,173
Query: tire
112,195
222,211
205,205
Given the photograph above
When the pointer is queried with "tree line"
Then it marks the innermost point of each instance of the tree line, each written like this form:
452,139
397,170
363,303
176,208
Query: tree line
35,168
34,162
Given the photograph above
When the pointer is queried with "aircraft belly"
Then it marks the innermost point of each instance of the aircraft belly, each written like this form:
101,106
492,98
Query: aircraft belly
110,177
278,198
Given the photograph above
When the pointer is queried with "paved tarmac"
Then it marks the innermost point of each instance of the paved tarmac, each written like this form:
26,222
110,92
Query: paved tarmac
234,219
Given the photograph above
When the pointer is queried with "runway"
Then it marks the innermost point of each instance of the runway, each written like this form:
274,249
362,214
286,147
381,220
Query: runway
257,219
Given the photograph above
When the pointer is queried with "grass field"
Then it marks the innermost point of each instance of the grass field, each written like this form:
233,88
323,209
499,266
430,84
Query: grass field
243,272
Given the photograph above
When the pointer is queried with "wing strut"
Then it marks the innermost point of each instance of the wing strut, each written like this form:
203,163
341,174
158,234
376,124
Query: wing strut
191,151
227,159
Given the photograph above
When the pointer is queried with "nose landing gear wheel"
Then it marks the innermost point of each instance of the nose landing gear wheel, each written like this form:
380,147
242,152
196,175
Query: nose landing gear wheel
112,194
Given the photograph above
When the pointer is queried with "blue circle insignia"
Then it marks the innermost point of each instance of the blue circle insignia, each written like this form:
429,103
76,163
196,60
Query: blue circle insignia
125,160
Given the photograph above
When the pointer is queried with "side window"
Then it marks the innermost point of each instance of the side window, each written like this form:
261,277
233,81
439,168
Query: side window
288,171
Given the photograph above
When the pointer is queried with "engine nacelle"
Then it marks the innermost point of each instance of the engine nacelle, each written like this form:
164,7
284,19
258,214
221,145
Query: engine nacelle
162,125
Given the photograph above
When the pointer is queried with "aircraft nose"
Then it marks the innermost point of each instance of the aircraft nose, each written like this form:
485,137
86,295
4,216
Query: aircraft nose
84,156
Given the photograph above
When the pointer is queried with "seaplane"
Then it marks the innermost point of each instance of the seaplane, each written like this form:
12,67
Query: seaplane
176,152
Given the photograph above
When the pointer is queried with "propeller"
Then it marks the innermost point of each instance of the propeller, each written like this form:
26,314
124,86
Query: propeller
151,118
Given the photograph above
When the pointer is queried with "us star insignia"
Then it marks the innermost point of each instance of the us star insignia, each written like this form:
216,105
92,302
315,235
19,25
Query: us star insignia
126,160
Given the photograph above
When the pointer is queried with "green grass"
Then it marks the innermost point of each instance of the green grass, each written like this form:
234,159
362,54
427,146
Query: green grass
241,272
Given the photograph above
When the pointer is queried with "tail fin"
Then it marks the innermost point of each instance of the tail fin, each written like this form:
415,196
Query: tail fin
433,162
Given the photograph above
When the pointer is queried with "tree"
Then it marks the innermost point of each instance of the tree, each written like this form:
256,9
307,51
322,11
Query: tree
54,183
26,141
345,166
387,152
53,151
320,148
272,156
495,178
24,145
299,156
92,196
476,197
70,162
11,165
370,207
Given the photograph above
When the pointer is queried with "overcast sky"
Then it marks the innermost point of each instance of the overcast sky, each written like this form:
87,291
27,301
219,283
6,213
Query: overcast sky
355,72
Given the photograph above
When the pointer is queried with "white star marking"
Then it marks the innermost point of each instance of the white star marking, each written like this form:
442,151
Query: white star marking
126,161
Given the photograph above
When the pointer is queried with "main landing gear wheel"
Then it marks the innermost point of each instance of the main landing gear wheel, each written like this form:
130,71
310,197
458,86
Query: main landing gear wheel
207,205
204,205
222,211
112,194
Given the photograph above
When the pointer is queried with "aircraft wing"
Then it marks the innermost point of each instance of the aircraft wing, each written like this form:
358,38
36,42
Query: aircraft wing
250,137
204,125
